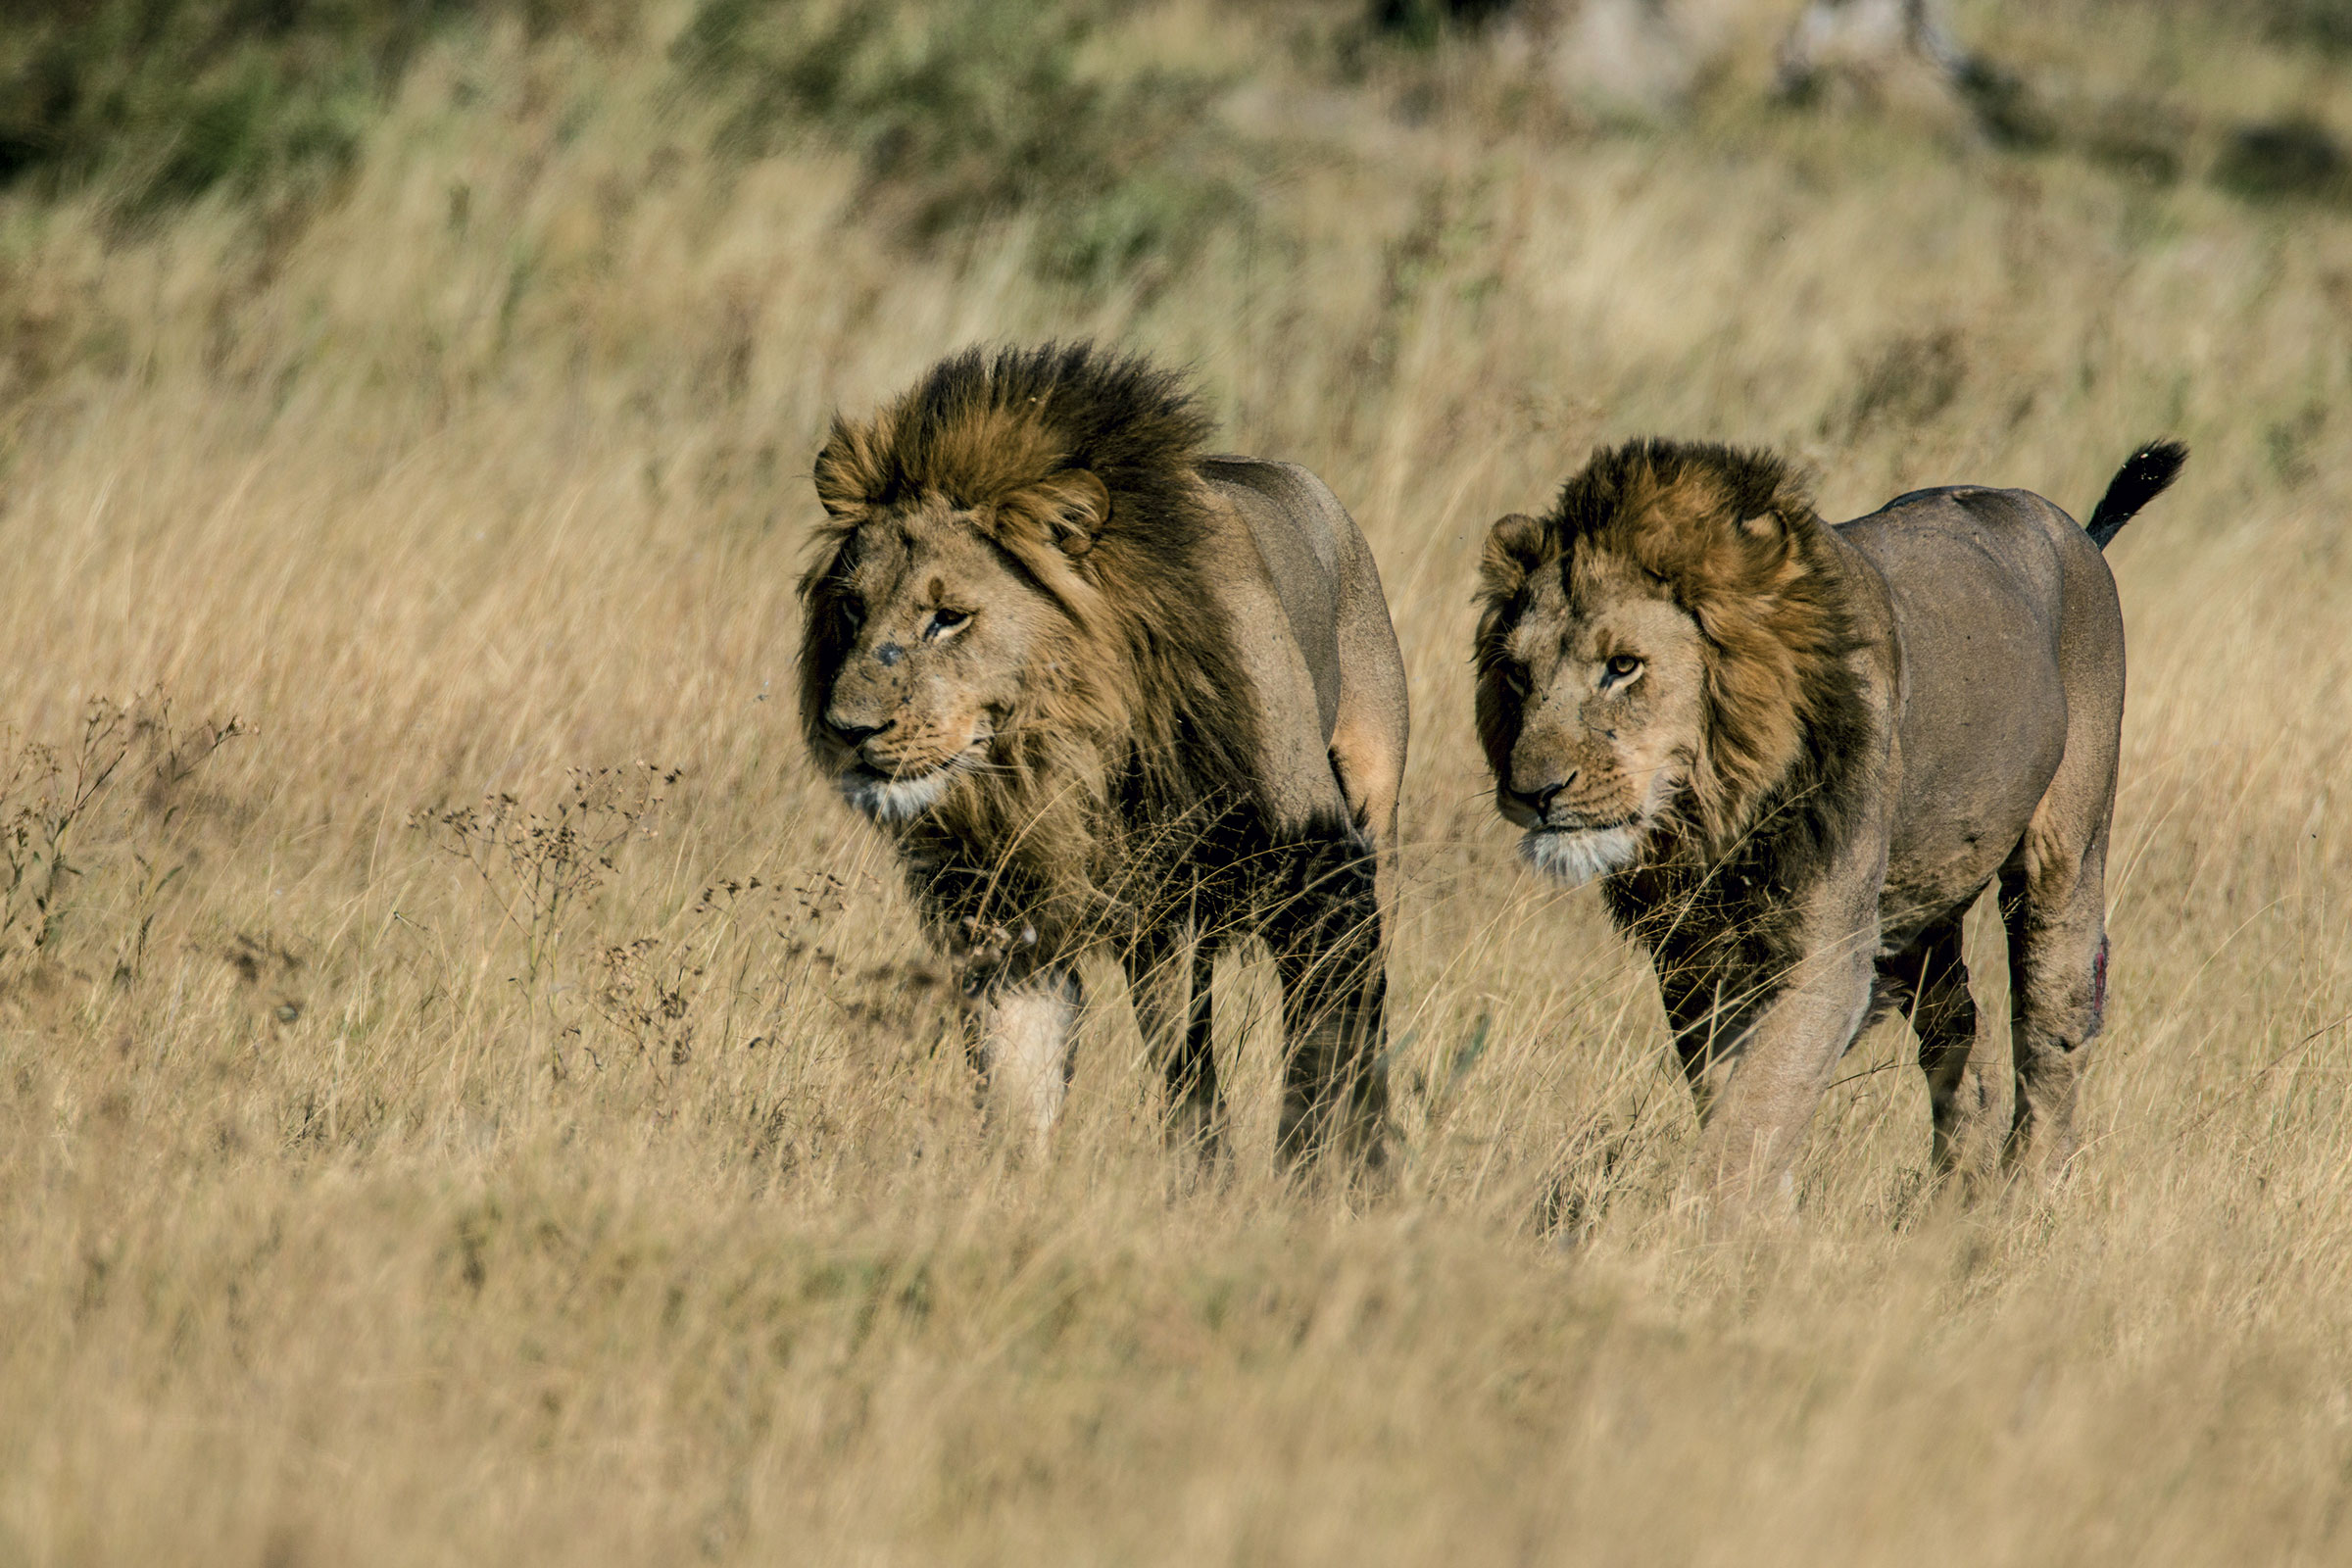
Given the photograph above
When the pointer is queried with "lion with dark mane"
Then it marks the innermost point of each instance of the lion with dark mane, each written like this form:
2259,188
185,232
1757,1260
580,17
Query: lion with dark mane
1105,691
1797,753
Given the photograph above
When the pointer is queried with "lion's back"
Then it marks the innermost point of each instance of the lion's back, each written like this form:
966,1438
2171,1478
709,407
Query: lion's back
2009,646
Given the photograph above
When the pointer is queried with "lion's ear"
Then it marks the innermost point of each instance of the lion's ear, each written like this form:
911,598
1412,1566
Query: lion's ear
1514,549
1073,507
847,472
1763,540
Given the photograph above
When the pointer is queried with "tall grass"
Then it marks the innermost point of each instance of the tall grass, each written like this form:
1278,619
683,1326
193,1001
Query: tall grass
392,1207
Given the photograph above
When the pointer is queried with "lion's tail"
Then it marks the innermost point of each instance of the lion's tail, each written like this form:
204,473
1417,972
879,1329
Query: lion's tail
2146,474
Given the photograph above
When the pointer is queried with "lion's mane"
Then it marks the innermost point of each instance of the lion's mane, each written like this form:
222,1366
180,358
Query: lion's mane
1135,731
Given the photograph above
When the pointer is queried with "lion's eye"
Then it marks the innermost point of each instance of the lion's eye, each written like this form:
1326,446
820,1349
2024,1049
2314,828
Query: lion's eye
1622,668
944,621
854,613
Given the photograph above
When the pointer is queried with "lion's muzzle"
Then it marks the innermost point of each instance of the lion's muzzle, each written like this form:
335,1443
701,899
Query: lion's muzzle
895,770
1567,837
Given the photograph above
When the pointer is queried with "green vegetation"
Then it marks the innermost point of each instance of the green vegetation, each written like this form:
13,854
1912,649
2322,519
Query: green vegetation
2327,24
175,97
962,113
958,114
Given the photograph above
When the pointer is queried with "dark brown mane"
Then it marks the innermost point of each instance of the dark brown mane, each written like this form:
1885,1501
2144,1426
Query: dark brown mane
981,426
1156,726
1732,536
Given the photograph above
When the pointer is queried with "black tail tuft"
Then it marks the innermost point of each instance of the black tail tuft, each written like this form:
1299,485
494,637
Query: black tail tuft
2145,475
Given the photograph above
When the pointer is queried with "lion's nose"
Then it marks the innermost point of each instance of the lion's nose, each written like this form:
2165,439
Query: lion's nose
1541,799
854,735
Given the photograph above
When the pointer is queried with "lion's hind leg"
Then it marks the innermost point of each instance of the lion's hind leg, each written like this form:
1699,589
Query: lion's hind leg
2053,903
1929,985
1370,776
1324,927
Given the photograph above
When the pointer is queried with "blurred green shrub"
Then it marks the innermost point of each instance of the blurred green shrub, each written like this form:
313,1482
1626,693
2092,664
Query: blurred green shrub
960,112
179,96
2325,23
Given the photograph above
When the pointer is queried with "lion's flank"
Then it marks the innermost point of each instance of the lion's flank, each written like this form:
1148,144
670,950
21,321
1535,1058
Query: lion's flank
1733,535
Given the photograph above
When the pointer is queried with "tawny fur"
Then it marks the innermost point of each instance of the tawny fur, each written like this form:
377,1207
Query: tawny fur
1104,690
1798,754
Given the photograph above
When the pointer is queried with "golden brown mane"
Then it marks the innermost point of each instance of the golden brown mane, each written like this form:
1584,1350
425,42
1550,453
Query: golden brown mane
1733,537
1081,467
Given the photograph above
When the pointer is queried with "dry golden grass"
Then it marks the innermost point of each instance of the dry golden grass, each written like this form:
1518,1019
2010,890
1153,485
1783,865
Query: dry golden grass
338,1230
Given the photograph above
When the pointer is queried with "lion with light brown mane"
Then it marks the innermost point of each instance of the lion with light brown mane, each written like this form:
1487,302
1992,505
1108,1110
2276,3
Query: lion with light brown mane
1796,753
1107,692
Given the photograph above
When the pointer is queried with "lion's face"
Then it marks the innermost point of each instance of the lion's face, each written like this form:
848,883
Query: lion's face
1592,706
933,633
1652,653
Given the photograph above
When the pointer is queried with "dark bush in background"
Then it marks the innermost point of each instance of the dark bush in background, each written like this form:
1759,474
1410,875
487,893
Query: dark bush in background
1422,21
2292,157
2325,23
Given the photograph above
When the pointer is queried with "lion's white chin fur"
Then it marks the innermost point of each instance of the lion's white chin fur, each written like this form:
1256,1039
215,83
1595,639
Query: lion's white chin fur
1578,857
896,799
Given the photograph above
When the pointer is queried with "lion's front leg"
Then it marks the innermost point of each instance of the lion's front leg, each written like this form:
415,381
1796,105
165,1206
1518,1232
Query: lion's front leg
1018,1035
1759,1092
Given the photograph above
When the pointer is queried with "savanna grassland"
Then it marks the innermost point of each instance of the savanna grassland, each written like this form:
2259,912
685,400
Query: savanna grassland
468,1095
